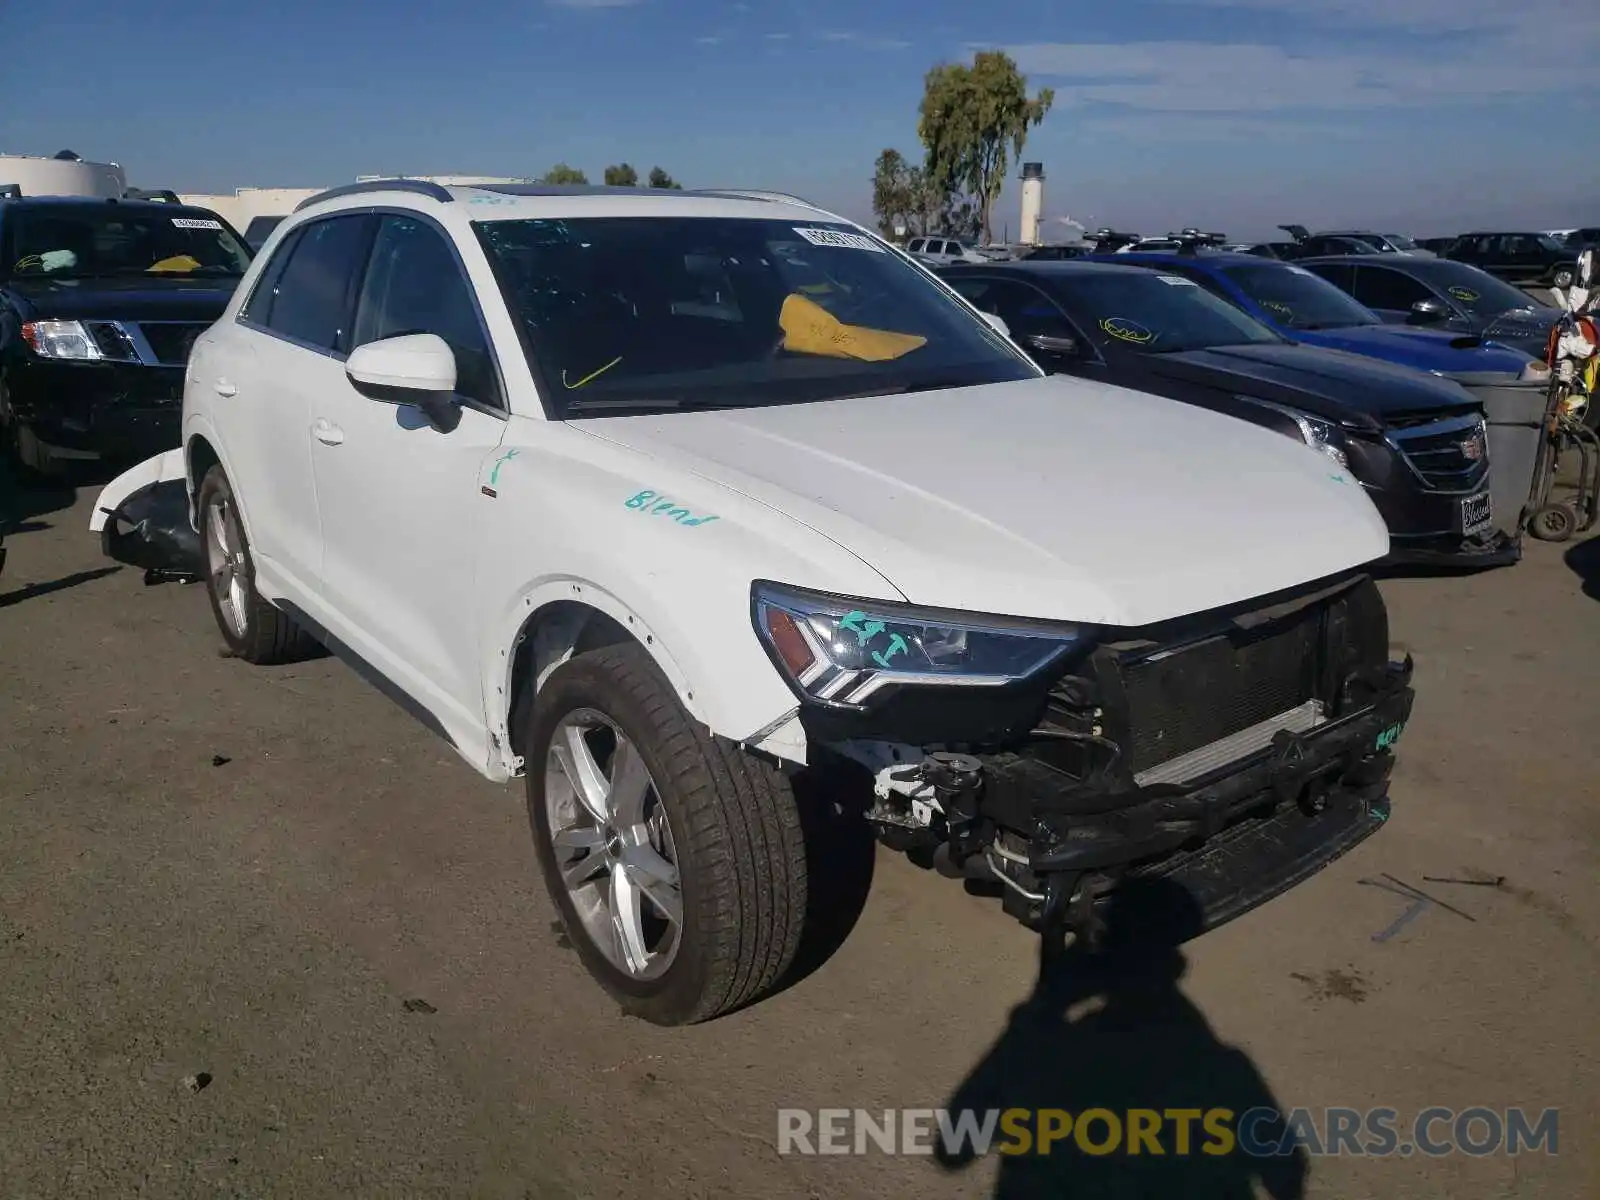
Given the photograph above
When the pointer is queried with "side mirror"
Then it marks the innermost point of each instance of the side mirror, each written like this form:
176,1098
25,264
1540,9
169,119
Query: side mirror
1059,347
417,369
1429,311
1586,268
997,324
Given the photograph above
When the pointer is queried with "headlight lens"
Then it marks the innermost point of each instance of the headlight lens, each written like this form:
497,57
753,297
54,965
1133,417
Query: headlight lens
843,652
61,339
1320,435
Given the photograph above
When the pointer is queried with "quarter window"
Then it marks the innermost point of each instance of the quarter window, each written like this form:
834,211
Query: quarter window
311,301
415,284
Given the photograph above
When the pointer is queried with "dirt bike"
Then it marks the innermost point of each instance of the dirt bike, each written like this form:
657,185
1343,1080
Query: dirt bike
1573,412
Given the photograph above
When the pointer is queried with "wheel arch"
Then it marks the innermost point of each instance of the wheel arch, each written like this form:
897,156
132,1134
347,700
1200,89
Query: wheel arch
555,628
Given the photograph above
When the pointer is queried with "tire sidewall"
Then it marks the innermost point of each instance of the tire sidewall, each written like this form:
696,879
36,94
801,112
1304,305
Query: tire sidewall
216,484
577,684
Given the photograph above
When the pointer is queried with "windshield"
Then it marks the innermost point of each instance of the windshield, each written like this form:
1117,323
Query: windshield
1550,243
1157,314
85,241
1479,292
1293,296
627,314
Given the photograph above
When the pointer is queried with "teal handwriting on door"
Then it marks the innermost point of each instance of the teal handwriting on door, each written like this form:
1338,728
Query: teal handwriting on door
658,505
1390,736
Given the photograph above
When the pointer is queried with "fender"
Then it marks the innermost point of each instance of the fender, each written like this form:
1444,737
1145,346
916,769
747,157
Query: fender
771,705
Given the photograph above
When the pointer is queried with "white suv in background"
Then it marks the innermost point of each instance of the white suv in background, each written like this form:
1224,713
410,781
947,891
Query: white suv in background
941,252
666,500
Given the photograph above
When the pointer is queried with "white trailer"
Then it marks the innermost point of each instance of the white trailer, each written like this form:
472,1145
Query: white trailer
64,175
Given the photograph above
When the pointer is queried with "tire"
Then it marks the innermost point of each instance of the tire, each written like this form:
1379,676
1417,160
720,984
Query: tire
1553,523
30,463
253,629
726,823
1562,277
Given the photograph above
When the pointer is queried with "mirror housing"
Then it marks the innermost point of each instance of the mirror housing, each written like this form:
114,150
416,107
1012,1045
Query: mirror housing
1429,311
997,324
1044,343
417,369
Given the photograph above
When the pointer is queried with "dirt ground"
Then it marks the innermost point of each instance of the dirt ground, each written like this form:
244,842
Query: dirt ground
242,881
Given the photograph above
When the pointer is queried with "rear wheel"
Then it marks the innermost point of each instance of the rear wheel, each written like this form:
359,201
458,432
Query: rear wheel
676,859
29,458
254,630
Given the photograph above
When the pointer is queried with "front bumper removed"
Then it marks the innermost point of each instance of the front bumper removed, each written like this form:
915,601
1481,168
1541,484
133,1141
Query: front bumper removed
1229,839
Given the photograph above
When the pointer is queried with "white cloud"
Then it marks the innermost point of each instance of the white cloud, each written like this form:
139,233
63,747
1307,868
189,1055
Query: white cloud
709,39
594,3
778,37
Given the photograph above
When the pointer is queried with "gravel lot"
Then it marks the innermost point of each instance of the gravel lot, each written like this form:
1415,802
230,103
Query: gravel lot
220,887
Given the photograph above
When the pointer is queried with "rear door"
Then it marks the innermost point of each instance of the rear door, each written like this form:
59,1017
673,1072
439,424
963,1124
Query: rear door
400,499
286,346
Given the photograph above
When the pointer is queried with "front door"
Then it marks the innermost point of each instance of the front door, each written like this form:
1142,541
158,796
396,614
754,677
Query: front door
267,368
400,499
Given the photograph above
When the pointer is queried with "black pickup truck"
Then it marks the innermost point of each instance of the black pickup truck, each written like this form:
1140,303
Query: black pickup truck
100,301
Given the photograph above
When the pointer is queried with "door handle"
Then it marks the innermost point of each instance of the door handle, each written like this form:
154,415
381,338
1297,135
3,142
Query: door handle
327,433
224,388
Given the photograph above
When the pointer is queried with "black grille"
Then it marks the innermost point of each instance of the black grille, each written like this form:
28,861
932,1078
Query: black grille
171,341
1181,701
1452,461
113,343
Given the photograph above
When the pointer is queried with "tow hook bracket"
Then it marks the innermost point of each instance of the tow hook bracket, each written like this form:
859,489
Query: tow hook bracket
957,783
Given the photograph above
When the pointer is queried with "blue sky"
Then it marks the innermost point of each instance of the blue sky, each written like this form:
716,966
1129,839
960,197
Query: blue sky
1426,115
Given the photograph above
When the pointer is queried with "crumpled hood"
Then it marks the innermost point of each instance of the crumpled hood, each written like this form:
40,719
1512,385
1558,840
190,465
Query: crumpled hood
1327,383
1424,349
1053,498
128,298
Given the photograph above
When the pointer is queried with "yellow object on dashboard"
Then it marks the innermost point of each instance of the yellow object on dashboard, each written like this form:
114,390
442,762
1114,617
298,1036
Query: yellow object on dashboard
808,328
178,262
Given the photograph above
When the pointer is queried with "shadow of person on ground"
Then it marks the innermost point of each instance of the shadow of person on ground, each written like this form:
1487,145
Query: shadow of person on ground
1584,559
1112,1031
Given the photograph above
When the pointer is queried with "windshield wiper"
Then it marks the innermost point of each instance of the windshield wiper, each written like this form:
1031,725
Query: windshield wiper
618,407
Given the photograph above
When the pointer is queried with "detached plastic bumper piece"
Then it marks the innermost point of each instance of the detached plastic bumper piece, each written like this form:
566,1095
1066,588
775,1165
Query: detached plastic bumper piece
151,529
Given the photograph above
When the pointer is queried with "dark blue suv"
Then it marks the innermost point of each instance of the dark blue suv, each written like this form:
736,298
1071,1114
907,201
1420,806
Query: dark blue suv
1308,309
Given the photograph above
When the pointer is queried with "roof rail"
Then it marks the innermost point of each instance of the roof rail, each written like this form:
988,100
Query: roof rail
164,195
421,187
755,194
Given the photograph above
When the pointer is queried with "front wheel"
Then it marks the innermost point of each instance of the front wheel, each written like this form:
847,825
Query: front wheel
676,859
1562,277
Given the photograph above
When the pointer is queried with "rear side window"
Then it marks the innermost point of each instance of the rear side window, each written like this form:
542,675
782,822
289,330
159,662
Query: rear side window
1378,287
311,301
1341,275
414,284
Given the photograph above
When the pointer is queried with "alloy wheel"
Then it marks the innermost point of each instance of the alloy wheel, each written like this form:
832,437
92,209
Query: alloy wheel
613,844
225,563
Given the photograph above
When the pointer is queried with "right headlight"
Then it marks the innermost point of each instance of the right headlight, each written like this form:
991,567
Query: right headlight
73,341
841,652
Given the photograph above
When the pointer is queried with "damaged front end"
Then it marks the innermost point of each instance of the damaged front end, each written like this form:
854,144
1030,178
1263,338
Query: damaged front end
1233,753
143,519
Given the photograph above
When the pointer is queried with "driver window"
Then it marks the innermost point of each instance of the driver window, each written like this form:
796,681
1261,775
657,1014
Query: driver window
414,284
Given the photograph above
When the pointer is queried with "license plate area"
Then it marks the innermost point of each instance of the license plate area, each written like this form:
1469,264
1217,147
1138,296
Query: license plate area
1477,514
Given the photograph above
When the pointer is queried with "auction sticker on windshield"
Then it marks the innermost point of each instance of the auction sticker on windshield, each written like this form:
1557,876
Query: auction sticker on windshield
843,241
1464,294
195,223
1126,330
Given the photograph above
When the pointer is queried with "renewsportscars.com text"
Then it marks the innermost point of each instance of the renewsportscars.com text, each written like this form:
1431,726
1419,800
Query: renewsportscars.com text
1257,1132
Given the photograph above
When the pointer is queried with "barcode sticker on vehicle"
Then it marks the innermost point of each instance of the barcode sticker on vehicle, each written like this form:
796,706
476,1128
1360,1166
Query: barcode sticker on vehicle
1177,281
195,223
838,239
